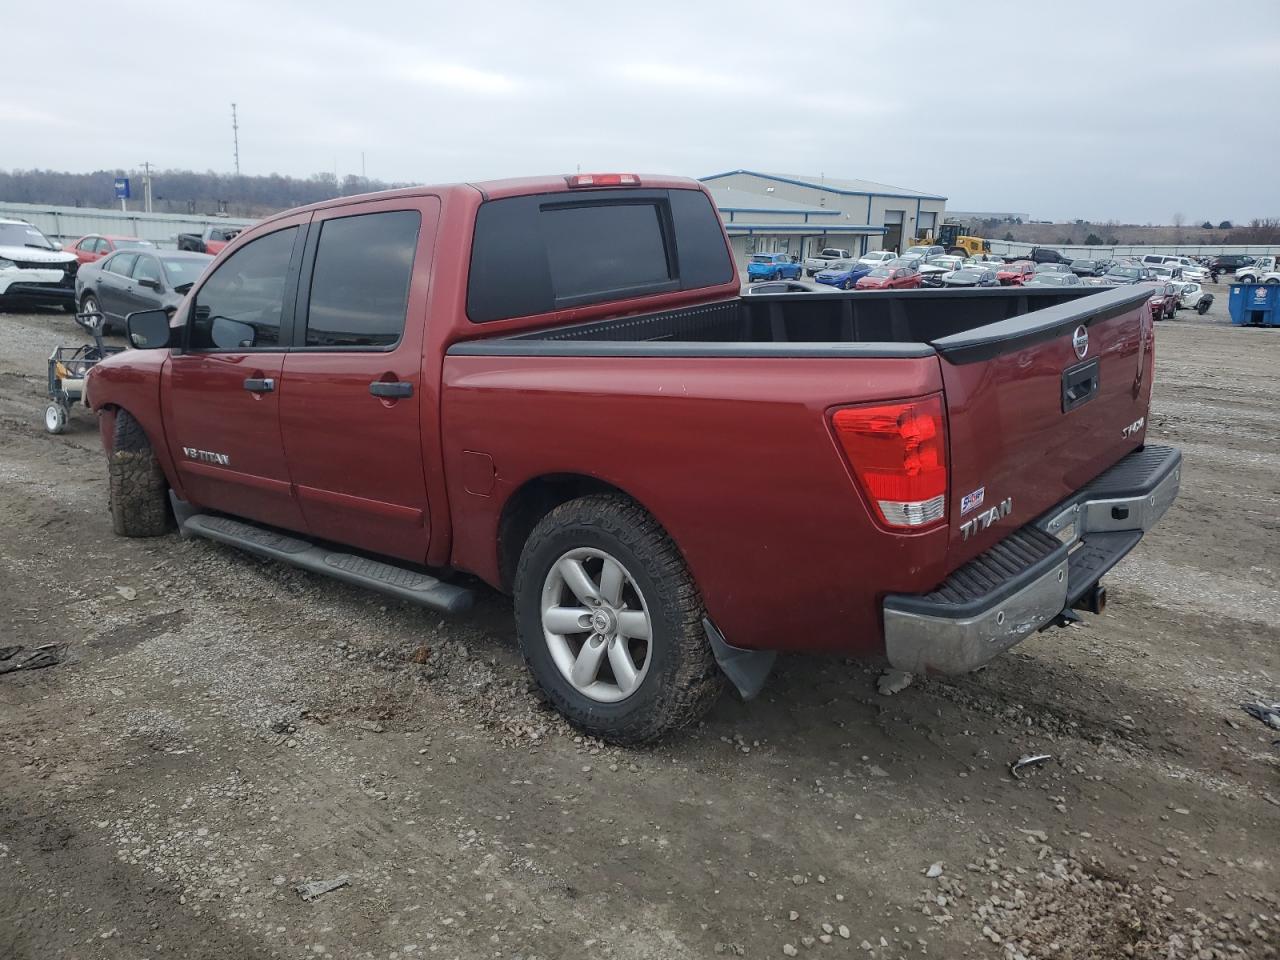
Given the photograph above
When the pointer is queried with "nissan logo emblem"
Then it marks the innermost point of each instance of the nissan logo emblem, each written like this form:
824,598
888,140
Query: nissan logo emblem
1080,340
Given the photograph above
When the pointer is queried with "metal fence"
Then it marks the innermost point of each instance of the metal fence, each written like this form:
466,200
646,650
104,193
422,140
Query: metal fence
1006,248
69,223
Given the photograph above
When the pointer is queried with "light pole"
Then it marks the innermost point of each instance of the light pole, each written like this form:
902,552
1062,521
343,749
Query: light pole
146,185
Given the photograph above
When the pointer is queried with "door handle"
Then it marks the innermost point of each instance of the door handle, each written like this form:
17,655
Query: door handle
259,384
391,389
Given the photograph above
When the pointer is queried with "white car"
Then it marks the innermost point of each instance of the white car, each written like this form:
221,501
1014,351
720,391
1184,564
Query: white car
1194,297
33,269
877,258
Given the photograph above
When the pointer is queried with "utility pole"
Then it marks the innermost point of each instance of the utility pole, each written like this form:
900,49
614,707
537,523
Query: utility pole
235,136
362,174
146,185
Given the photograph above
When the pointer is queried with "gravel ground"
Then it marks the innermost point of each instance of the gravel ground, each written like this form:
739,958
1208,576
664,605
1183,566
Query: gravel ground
224,729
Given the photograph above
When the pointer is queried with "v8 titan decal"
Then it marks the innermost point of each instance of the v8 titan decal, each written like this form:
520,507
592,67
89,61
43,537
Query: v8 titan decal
207,456
986,518
1134,427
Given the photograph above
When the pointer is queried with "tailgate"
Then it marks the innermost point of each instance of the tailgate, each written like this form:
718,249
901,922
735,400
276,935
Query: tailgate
1038,405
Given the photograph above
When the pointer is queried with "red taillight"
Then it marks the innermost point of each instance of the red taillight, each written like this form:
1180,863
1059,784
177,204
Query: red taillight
898,451
604,180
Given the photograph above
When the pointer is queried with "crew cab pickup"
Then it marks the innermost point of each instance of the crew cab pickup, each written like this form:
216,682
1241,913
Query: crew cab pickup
821,261
555,386
212,240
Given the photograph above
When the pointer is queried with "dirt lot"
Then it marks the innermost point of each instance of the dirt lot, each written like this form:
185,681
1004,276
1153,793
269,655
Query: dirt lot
223,729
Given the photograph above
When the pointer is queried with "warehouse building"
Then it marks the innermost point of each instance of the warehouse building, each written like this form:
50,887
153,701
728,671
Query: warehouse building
799,215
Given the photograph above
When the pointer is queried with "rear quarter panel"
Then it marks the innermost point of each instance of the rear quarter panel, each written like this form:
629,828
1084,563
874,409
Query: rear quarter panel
733,457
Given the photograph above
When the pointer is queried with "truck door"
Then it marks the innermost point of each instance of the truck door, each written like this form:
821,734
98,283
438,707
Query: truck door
354,412
221,391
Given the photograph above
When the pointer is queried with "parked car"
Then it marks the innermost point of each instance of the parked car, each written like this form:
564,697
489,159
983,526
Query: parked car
426,394
1122,274
1230,262
877,258
1086,268
830,255
1053,278
1164,300
130,280
772,266
972,277
890,278
211,241
33,270
843,274
1016,274
933,272
1045,255
95,246
1195,297
924,253
1053,268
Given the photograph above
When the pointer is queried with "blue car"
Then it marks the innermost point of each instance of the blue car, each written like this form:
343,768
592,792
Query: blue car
772,266
843,274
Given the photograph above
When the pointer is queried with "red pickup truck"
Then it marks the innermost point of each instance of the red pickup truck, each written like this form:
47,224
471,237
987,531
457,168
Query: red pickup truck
555,386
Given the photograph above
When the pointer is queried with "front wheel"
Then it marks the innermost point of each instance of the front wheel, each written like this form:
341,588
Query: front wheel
139,502
610,622
55,418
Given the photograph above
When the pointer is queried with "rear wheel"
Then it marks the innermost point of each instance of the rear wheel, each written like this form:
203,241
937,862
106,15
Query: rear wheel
1271,280
139,505
610,622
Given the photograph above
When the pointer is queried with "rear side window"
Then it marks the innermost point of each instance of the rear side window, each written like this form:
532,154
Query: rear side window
541,253
360,282
122,263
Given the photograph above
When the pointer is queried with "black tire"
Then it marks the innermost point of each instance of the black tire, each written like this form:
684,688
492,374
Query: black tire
847,285
1202,308
139,491
682,680
1270,280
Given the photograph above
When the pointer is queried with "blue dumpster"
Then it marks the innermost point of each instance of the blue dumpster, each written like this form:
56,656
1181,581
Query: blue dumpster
1255,304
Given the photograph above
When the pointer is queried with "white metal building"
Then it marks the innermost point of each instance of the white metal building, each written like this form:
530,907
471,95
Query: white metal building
797,214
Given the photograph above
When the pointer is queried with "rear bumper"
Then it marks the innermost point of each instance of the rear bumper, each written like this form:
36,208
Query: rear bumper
1021,584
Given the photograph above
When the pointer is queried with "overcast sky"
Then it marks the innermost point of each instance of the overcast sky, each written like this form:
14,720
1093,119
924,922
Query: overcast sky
1133,111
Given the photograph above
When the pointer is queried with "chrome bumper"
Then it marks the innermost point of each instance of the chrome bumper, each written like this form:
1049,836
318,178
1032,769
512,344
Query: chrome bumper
1059,558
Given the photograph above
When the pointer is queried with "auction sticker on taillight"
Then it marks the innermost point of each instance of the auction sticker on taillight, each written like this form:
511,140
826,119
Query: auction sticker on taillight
971,501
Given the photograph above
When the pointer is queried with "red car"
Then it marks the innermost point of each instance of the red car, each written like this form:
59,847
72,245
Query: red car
1164,300
1016,274
675,480
889,278
95,246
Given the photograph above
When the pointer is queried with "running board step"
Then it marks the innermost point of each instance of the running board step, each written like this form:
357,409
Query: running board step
400,582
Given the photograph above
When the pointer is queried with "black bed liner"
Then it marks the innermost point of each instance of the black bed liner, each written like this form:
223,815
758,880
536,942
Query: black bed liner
963,326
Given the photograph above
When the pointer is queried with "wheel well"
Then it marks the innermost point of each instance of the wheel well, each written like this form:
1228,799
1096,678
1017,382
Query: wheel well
531,503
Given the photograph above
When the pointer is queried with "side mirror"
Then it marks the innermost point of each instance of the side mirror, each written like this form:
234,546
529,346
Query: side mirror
148,329
149,282
57,244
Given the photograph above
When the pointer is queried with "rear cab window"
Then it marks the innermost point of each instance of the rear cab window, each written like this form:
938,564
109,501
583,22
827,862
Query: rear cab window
537,254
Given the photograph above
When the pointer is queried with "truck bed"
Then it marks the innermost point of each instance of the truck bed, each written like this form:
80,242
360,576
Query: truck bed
961,325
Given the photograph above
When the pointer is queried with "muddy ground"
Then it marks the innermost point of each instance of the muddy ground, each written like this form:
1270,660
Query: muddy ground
223,729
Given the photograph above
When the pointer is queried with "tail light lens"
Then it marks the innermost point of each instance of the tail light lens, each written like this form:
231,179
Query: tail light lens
898,452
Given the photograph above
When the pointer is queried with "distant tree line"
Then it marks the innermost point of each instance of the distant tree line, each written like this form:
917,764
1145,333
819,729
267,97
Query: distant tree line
182,191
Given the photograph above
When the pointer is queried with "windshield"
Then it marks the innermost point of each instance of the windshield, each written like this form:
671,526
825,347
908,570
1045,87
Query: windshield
879,255
839,266
880,272
1051,279
131,243
182,270
23,235
920,250
1084,264
1129,273
762,258
968,275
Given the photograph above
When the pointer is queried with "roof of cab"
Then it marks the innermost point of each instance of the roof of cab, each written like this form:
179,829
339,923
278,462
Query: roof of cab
491,190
